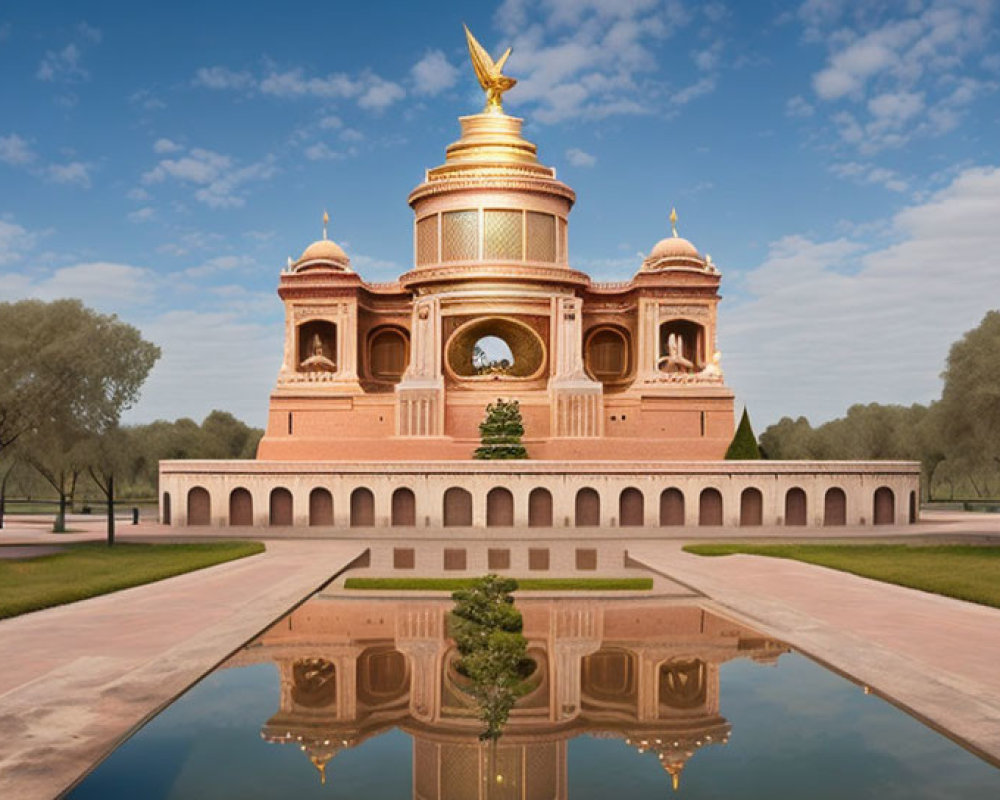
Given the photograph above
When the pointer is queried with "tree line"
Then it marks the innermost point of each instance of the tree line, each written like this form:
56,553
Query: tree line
67,374
956,438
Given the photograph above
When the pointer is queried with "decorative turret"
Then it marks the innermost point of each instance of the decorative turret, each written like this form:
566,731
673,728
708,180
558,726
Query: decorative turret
323,254
674,251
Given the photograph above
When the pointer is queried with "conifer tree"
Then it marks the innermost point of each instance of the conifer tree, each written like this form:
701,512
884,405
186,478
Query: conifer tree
500,433
744,445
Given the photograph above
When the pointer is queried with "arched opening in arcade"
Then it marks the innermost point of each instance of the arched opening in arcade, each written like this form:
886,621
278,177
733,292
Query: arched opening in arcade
362,508
631,508
199,506
588,508
834,507
884,506
281,506
165,517
404,508
320,507
457,508
540,508
710,507
671,507
499,508
795,506
751,507
240,507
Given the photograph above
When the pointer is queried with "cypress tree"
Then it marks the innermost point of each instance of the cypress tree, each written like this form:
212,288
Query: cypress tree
744,445
500,433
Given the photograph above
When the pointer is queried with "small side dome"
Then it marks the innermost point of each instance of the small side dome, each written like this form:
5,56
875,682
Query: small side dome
323,253
673,251
673,247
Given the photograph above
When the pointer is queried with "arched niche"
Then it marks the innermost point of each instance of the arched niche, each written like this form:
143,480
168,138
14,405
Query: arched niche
166,508
795,506
404,508
199,506
751,507
631,508
362,508
607,354
540,508
608,678
499,508
320,507
834,507
317,346
682,346
683,683
457,511
526,348
240,507
884,506
671,507
280,512
588,508
388,354
710,507
314,683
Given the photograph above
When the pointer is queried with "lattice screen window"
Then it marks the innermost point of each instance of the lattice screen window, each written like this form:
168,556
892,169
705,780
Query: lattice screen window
502,238
541,237
427,240
459,236
563,242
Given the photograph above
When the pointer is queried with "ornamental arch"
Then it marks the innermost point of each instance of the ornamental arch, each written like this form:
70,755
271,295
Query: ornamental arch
240,507
199,506
280,512
320,507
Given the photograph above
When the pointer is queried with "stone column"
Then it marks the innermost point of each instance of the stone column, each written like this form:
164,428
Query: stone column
420,636
649,340
577,402
575,633
420,394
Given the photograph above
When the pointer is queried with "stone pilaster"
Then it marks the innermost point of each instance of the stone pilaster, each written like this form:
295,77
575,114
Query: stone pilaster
420,394
577,401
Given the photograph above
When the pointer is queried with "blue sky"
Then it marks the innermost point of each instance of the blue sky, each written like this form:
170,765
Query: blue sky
839,161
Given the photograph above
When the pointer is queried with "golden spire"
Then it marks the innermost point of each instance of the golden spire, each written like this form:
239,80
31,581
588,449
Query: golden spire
326,221
673,221
489,73
320,763
674,771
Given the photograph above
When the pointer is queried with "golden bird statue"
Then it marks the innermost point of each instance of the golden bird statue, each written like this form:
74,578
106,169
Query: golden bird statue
489,72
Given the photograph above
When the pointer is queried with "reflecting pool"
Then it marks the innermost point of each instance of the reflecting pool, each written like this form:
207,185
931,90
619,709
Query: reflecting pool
359,697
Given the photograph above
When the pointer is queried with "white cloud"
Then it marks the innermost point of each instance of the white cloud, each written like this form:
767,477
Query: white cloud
223,78
294,83
798,106
321,152
844,322
433,73
15,242
62,65
580,158
330,122
219,180
15,151
166,146
142,214
901,71
592,59
216,264
103,284
380,94
75,172
867,173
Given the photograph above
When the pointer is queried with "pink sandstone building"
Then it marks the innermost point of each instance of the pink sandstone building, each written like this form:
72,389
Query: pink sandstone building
382,386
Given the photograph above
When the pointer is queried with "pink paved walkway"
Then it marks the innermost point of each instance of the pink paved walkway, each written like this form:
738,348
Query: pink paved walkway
77,677
938,657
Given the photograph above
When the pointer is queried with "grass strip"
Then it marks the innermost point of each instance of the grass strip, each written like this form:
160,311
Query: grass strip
526,584
92,569
965,572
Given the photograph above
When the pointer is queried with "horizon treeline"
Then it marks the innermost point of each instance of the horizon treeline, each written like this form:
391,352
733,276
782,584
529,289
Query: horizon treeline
955,438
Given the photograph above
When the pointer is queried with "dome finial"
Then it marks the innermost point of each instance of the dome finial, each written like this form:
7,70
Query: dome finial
673,221
326,221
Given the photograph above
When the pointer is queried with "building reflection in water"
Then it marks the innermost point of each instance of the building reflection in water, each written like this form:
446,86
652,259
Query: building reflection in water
642,670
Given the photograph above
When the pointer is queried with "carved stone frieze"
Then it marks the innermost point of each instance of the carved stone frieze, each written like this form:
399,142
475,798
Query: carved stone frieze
695,311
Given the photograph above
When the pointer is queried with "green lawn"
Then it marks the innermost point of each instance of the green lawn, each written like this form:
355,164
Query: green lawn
527,584
88,570
966,572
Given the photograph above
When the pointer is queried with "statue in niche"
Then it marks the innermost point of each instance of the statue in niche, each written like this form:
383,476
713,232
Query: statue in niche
317,360
675,360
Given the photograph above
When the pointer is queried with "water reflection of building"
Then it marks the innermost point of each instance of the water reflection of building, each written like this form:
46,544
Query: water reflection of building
635,669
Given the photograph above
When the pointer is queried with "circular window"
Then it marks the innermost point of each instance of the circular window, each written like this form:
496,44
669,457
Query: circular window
495,348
